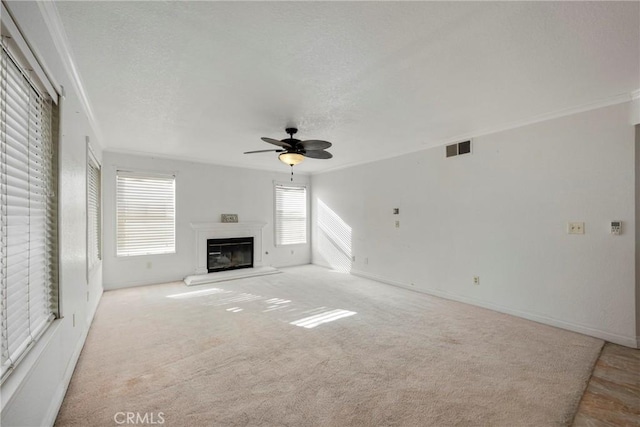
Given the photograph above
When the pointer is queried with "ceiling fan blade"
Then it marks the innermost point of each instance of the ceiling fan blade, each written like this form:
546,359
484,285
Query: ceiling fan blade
276,142
263,151
315,144
317,154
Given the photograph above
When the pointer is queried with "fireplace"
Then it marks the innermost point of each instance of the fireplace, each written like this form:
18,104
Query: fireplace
229,253
205,231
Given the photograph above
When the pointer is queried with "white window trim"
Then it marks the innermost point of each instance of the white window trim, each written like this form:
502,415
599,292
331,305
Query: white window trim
275,213
91,265
22,53
30,66
148,173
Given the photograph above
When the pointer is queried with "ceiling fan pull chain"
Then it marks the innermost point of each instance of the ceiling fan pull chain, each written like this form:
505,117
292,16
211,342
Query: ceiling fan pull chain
291,173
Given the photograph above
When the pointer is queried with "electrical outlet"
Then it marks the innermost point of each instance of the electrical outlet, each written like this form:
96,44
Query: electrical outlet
476,280
575,228
397,224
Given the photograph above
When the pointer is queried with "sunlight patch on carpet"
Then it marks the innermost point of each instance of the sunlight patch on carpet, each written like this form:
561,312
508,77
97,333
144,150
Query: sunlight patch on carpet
220,297
326,317
193,294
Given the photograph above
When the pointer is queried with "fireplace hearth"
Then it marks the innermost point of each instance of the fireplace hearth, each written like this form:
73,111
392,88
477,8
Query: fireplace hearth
229,254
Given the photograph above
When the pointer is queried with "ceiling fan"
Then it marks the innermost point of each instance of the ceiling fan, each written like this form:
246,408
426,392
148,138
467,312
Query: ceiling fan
294,151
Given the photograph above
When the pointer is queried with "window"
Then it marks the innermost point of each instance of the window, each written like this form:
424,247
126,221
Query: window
94,220
291,214
145,213
28,201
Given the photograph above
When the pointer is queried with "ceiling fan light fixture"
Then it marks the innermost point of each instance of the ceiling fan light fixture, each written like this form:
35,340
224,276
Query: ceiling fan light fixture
291,159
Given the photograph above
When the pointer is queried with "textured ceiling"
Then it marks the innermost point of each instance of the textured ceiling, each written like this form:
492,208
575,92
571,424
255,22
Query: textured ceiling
205,80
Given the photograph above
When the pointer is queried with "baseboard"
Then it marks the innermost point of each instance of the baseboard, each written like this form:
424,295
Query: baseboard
293,264
58,398
135,284
384,280
626,341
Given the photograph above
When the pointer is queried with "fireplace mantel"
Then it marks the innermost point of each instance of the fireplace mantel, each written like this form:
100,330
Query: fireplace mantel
215,230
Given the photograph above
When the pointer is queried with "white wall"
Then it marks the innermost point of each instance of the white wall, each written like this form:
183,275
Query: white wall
32,394
501,214
637,127
203,192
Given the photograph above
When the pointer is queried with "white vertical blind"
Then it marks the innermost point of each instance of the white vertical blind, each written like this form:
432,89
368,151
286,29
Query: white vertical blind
28,226
291,214
146,213
94,223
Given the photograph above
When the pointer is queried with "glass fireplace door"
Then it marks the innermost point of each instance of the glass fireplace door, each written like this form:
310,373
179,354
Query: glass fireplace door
229,254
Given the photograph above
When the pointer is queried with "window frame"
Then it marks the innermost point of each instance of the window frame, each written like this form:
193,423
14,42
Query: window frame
93,162
149,174
305,186
19,53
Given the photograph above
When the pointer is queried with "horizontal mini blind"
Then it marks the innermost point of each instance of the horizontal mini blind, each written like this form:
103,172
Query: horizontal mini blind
145,213
28,225
291,214
94,225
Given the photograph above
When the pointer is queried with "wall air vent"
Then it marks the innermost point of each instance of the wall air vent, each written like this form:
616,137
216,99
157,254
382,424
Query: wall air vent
459,148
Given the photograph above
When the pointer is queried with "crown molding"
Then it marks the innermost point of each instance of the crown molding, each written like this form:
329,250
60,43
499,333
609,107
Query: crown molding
59,36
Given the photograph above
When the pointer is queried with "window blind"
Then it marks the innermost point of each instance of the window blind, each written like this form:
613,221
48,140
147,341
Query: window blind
145,213
94,223
291,214
28,225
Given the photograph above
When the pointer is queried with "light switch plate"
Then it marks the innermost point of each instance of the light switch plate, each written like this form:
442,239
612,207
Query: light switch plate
575,228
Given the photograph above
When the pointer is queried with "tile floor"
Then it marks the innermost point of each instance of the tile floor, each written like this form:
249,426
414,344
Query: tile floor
612,397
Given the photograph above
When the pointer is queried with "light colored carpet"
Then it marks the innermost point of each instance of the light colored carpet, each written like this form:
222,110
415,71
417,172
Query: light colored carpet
240,354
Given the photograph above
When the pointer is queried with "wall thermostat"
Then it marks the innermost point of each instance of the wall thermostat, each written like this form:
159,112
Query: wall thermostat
616,227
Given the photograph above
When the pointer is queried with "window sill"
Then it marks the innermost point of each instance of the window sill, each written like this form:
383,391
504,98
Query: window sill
23,371
123,257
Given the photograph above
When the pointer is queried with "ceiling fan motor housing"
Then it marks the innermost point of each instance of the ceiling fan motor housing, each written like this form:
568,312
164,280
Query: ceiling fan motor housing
291,141
296,148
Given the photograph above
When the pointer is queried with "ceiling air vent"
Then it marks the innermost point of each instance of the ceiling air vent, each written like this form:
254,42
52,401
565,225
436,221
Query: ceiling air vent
459,148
